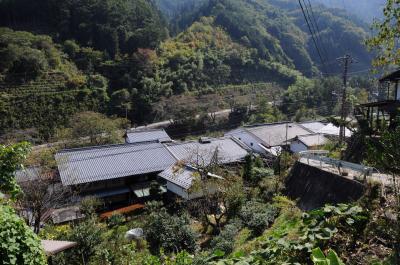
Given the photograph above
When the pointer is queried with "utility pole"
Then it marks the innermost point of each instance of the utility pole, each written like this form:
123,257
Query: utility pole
347,60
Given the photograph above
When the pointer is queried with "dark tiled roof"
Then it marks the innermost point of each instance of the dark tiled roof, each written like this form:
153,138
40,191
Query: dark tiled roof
194,152
86,165
181,176
273,134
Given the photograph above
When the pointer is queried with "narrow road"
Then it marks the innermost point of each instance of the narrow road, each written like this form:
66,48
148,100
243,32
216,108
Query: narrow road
155,125
163,124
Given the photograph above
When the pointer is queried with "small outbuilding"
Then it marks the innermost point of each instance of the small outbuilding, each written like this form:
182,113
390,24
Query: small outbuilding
307,142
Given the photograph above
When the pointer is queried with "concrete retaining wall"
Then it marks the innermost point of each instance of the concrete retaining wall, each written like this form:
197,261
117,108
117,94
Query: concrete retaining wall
314,187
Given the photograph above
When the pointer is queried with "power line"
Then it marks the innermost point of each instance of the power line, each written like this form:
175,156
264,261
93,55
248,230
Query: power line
312,35
318,35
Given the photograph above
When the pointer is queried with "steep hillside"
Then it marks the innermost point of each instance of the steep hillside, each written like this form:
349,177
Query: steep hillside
368,10
118,57
277,29
205,56
39,87
113,26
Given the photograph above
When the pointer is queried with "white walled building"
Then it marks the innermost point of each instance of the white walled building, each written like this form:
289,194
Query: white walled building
268,139
307,142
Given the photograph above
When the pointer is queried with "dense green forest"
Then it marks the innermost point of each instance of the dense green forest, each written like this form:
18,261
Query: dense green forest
121,57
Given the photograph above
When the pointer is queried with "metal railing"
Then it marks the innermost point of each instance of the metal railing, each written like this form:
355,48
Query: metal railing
321,156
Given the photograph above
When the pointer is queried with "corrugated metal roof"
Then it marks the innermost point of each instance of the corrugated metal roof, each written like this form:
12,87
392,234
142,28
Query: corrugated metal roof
86,165
229,151
181,176
314,126
274,134
147,136
313,139
331,129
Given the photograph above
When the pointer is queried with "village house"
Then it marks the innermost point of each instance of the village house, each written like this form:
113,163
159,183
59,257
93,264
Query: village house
194,156
116,173
307,142
269,139
327,129
148,135
122,173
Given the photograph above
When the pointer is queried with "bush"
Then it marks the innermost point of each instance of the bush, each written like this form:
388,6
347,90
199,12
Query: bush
257,216
115,219
260,173
19,245
225,241
171,233
88,236
270,187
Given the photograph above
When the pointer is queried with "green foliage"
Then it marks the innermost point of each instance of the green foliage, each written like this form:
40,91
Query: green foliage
88,236
27,56
11,158
114,26
225,241
19,245
121,102
270,186
318,257
89,205
205,55
387,35
123,54
277,30
97,127
383,153
266,113
171,233
257,216
315,229
115,219
248,167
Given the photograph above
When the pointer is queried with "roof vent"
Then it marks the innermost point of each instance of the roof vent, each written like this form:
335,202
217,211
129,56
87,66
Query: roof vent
205,140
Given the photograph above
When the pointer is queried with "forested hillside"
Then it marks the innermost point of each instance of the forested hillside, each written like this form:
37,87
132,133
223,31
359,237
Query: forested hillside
278,30
367,10
121,57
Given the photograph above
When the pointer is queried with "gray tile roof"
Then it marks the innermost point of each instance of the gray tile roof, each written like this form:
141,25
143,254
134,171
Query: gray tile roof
314,126
92,164
274,134
181,176
147,136
229,151
313,140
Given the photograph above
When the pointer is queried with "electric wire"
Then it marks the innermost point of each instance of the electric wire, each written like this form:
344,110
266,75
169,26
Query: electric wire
312,36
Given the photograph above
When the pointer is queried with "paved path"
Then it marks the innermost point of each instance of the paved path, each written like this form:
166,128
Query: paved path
352,174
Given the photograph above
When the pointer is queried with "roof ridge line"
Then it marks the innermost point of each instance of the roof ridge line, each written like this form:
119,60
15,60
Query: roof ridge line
103,146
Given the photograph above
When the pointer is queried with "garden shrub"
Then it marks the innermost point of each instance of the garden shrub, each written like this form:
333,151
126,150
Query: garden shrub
225,241
171,233
18,243
257,216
